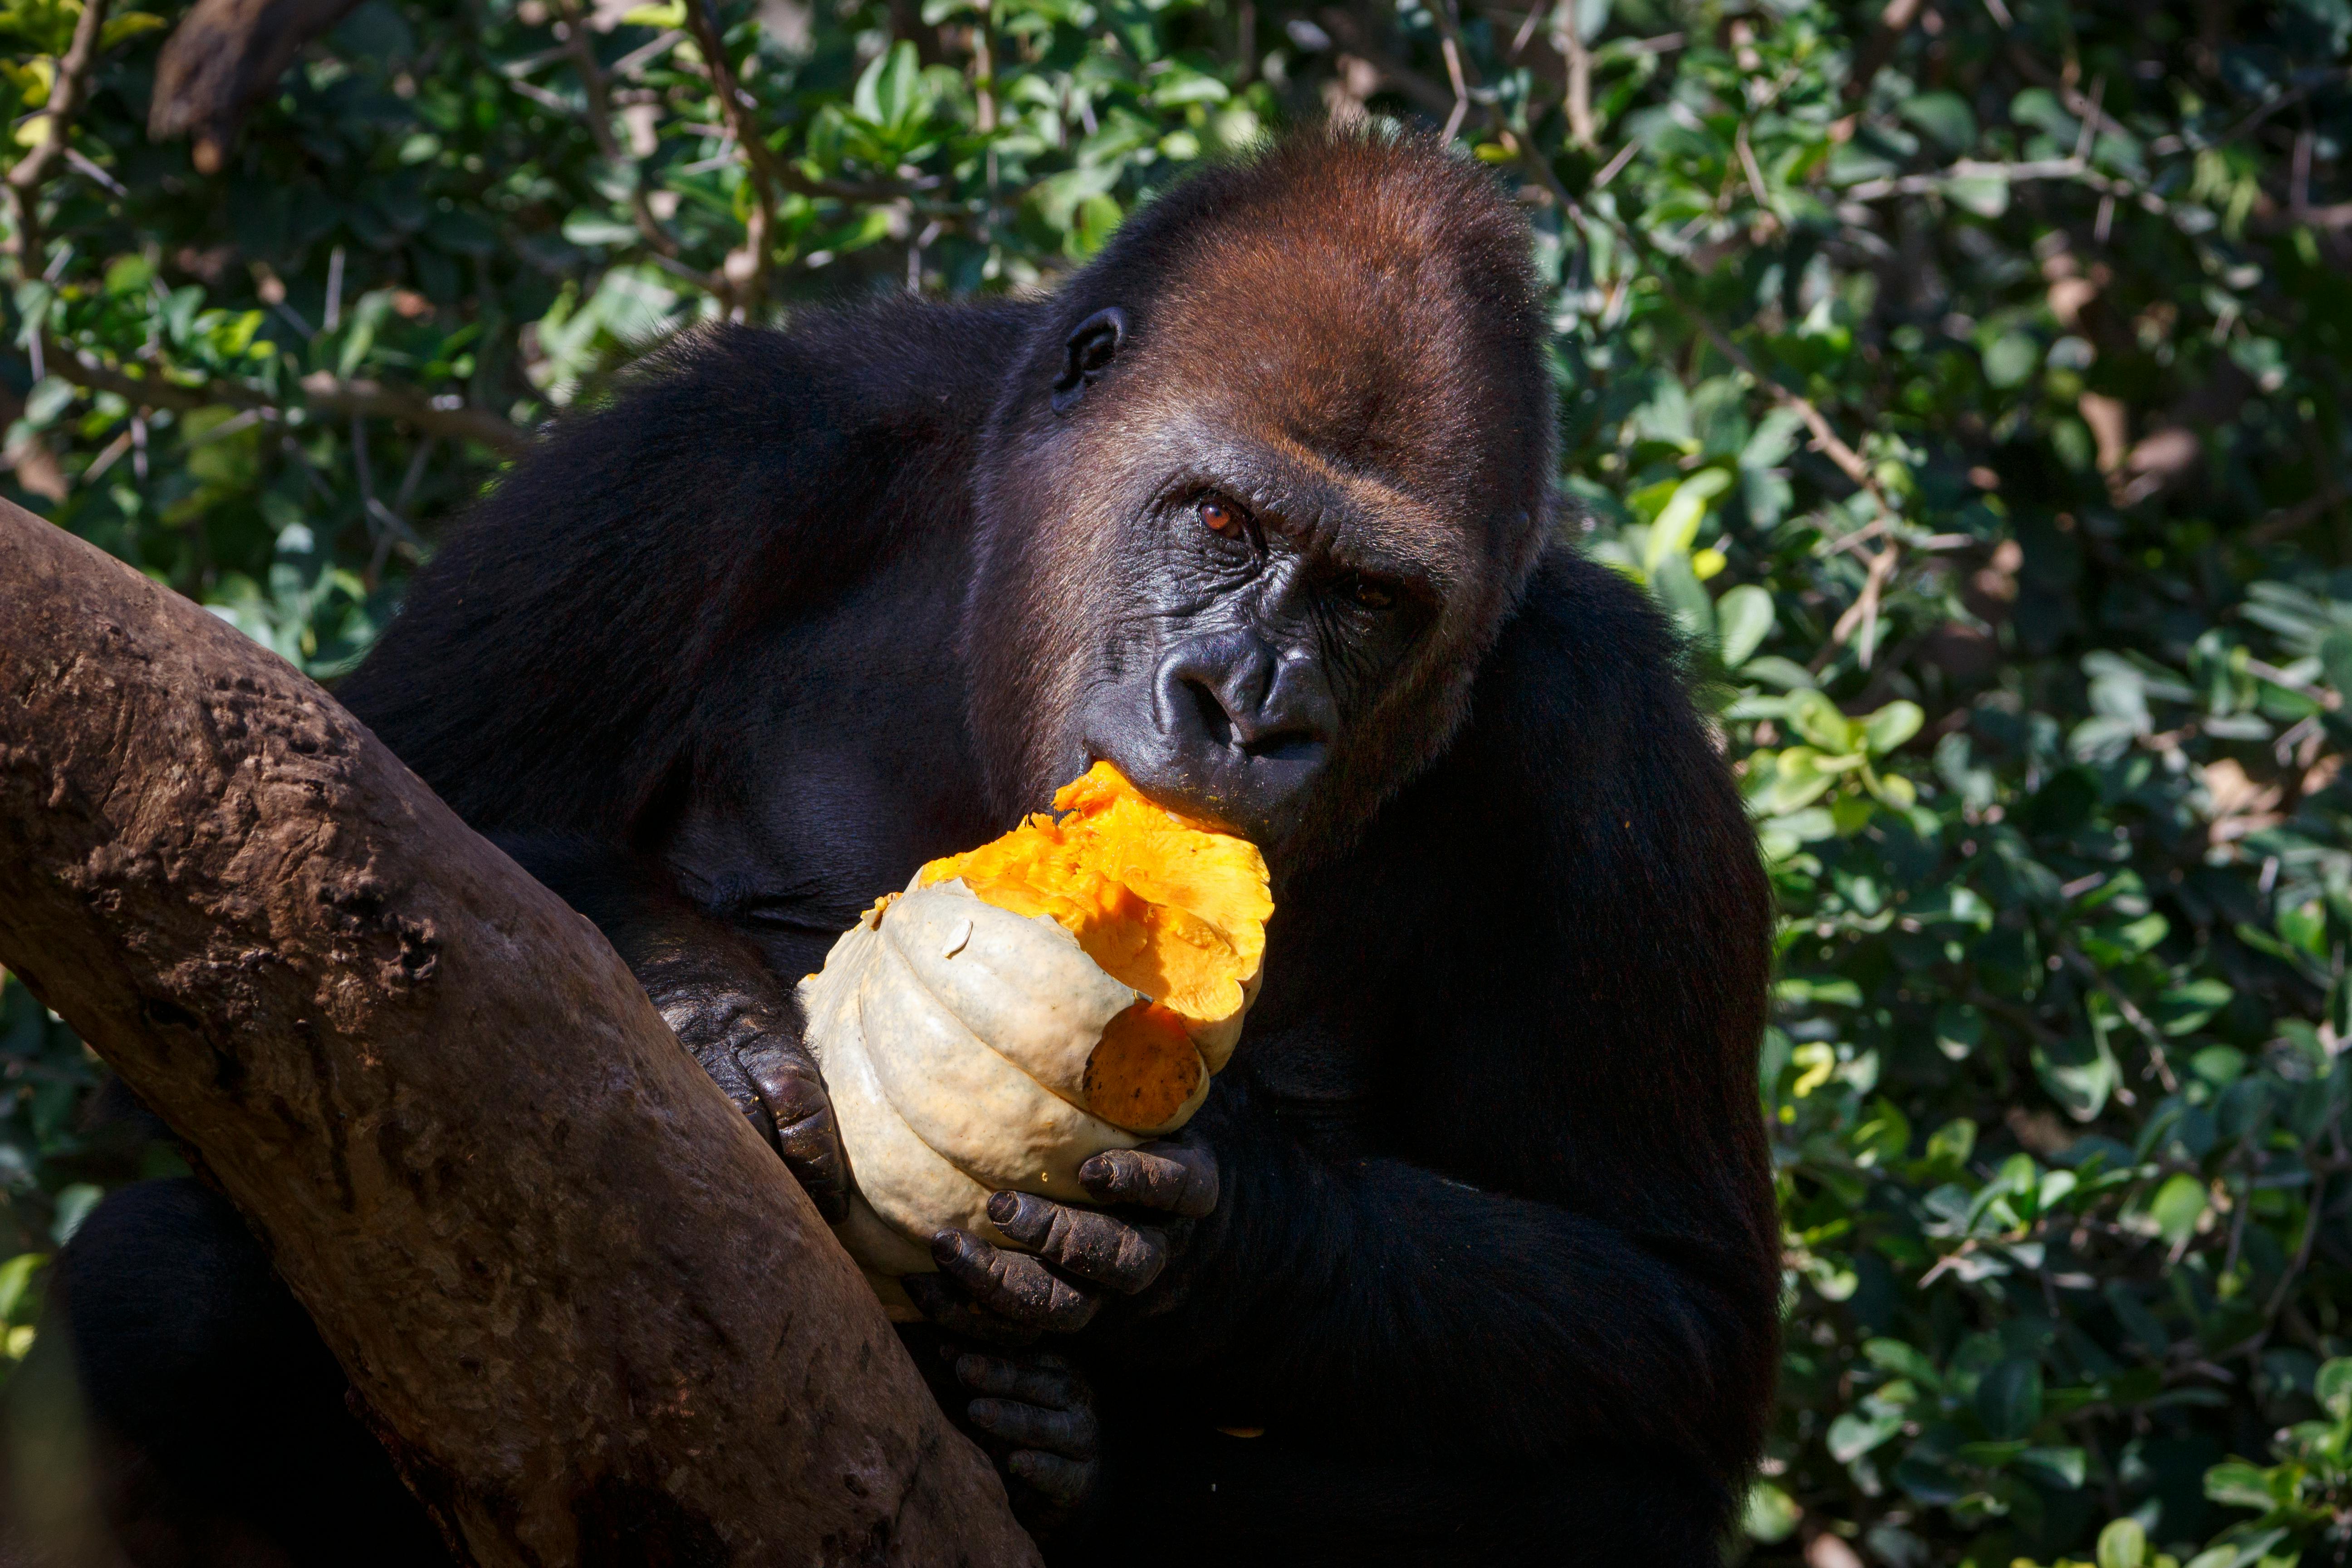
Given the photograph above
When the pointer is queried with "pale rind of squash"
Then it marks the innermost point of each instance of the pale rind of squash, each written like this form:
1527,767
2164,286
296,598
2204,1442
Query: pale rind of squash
1022,986
1021,983
953,1037
897,1175
990,1120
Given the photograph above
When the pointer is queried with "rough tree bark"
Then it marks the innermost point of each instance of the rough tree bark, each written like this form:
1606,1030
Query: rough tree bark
583,1304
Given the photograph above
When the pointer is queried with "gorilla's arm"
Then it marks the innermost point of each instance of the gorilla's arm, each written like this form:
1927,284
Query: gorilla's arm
1378,1304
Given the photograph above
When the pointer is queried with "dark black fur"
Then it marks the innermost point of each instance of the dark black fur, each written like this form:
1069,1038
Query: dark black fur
1494,1263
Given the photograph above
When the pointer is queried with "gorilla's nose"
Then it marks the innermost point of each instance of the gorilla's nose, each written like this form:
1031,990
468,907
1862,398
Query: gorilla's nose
1233,691
1230,730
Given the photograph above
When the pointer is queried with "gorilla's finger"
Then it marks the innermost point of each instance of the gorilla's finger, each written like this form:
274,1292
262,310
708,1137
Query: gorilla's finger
949,1305
1013,1284
789,1085
1069,1433
1178,1174
1087,1243
812,1150
786,1077
1059,1480
1040,1380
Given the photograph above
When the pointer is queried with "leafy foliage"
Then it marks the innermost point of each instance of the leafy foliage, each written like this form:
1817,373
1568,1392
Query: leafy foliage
1968,380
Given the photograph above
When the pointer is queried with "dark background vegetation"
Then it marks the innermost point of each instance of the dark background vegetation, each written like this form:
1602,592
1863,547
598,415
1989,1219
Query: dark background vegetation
1968,376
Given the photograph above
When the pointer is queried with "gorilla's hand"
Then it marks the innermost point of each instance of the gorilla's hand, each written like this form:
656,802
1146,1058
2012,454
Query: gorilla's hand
1069,1257
784,1076
1036,1416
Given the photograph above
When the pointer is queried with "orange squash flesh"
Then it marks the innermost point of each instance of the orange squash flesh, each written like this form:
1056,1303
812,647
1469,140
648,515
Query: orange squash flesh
1172,908
1145,1068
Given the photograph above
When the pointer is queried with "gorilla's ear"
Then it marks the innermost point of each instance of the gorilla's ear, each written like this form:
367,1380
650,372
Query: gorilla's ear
1088,355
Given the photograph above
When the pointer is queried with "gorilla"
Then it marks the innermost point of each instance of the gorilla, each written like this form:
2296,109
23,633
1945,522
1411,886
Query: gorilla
1471,1255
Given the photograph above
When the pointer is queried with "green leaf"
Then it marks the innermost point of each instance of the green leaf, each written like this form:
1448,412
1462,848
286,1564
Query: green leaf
1797,779
2185,1007
1856,1433
2064,1468
2335,659
2123,1544
16,1276
1959,1030
2219,1066
1771,1513
1743,619
2011,358
1677,525
1904,1359
74,1204
2333,1387
2238,1485
2305,925
1891,726
130,274
2177,1207
1812,715
2080,1073
2009,1398
125,26
1945,116
889,92
1987,195
1948,1146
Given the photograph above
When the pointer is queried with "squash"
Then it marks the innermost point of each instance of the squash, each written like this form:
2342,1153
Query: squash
1019,1008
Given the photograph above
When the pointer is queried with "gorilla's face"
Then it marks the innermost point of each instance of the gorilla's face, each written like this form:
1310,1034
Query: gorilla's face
1267,602
1247,528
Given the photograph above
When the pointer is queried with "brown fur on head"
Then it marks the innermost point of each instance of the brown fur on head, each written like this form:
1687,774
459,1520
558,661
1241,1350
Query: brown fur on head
1358,313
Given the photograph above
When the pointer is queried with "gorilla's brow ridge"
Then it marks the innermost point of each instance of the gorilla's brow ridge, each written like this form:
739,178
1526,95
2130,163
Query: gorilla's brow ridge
1363,520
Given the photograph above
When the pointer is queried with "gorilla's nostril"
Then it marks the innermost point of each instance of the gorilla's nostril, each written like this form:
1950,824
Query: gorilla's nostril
1215,721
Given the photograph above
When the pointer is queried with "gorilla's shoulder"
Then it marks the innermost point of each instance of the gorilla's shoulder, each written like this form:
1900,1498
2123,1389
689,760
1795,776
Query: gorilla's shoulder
1582,713
887,370
1581,633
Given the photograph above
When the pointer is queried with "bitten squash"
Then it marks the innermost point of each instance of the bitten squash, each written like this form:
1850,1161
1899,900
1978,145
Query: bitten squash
1065,989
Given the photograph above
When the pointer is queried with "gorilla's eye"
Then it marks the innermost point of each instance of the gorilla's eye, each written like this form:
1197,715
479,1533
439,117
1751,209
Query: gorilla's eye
1372,596
1220,518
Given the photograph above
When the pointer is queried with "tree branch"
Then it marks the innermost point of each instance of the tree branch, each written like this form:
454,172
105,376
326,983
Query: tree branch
583,1303
324,394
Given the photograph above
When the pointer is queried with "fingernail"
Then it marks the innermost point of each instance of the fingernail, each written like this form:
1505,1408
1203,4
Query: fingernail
1003,1206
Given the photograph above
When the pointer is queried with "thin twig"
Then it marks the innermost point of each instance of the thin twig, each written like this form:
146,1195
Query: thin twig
594,84
1863,612
2130,1010
1451,49
1569,40
56,117
745,270
2302,1248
